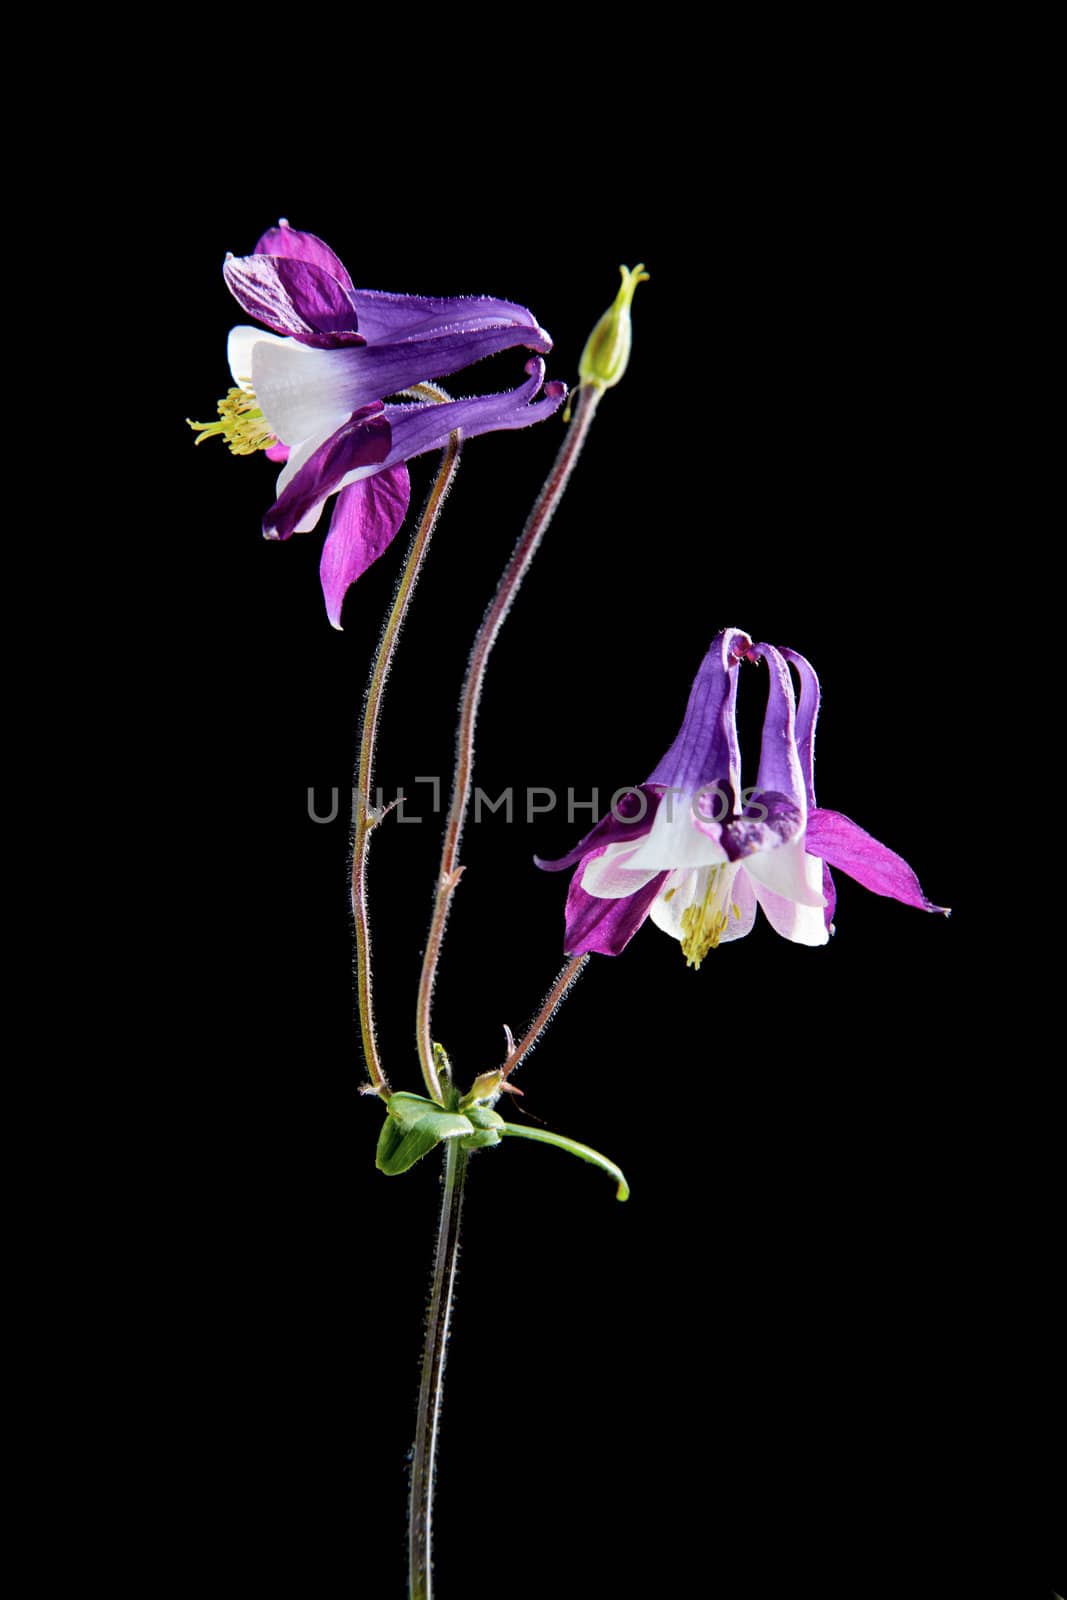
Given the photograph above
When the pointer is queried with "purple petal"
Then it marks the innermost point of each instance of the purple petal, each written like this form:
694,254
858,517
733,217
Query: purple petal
366,517
844,844
807,716
605,926
706,749
363,441
294,297
391,318
779,763
744,836
286,241
632,823
418,428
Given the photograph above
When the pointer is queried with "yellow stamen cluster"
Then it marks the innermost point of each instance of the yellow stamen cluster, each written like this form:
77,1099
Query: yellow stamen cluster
241,423
703,925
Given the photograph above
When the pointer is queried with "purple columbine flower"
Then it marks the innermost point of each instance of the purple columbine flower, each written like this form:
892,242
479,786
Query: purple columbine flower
312,391
697,853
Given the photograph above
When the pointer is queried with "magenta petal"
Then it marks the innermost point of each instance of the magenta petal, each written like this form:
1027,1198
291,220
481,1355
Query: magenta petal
286,241
277,452
844,844
293,297
366,518
606,926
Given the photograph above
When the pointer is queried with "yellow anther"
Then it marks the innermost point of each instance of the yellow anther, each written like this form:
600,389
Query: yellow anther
241,423
704,925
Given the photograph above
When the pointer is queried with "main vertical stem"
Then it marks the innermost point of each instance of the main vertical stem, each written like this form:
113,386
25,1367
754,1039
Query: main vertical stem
420,1509
363,821
448,877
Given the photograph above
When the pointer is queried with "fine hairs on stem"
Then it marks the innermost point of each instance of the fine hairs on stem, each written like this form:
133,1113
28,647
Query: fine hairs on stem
363,822
420,1559
446,1256
552,1001
448,876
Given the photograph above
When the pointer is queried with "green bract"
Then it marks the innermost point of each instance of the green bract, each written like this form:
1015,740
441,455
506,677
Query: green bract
414,1125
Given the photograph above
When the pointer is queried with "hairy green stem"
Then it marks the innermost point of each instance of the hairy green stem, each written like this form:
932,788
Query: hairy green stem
420,1507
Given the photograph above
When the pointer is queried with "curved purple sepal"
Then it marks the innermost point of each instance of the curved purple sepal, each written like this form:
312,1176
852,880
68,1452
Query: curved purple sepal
365,521
637,810
844,844
427,425
605,926
391,366
706,748
363,441
294,297
286,241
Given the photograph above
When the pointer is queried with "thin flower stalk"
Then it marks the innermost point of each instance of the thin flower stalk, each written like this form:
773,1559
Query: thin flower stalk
450,872
553,999
364,818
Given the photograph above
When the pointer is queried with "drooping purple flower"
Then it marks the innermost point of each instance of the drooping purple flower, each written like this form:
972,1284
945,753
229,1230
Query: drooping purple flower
313,391
697,853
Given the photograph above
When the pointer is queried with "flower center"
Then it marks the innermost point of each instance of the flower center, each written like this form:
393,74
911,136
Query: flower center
241,423
704,923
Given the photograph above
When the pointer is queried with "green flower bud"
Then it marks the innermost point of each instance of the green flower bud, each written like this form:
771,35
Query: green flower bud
607,350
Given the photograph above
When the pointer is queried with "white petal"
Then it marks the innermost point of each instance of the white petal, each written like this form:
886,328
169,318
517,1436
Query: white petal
239,352
675,840
743,897
303,391
790,872
801,924
676,896
608,878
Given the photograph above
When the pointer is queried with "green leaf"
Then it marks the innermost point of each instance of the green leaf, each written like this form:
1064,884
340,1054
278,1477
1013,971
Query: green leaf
582,1151
412,1128
483,1117
488,1127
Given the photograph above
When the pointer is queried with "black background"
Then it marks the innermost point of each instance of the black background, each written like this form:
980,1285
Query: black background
815,1350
